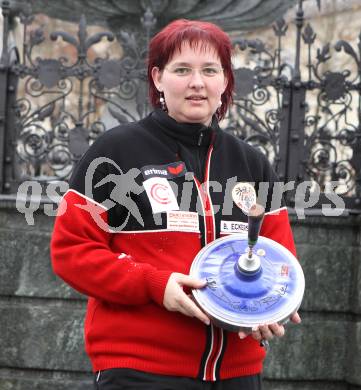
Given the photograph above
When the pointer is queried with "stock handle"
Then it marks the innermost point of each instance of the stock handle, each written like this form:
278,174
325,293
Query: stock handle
255,218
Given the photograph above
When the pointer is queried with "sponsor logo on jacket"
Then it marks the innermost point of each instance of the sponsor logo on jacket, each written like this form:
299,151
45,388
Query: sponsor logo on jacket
168,171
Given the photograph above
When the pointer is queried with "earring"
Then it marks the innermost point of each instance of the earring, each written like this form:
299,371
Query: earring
218,111
162,101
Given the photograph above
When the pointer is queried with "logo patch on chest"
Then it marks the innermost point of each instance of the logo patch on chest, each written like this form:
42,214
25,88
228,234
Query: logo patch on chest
168,171
244,196
160,194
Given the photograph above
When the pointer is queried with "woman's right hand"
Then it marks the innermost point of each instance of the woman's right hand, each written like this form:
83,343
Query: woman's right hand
175,299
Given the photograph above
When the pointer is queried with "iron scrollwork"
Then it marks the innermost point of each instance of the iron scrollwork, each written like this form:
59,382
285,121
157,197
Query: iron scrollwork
257,112
304,118
333,132
51,132
326,118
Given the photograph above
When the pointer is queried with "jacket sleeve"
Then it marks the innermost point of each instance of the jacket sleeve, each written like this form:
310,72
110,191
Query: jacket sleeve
81,254
276,224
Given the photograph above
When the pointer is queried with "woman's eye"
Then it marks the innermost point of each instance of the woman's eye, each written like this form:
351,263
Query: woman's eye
182,71
209,71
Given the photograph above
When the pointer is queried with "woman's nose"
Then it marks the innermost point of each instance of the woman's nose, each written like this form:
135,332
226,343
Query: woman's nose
196,79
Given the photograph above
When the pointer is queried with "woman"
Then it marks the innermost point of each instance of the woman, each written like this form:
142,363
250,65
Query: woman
140,208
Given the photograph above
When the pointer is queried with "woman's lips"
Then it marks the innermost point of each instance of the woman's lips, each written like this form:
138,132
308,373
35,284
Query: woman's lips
196,98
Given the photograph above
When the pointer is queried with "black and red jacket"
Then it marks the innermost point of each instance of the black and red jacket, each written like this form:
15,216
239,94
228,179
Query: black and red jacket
117,240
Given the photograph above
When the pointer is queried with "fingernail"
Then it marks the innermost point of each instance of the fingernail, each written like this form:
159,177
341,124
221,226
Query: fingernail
242,335
207,322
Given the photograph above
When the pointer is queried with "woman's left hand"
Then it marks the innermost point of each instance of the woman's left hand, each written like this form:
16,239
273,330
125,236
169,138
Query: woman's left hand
267,332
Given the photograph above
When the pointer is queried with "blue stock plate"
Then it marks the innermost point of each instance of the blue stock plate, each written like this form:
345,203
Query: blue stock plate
235,300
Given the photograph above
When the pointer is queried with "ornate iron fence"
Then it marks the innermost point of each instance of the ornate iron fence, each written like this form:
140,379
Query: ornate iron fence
311,132
305,120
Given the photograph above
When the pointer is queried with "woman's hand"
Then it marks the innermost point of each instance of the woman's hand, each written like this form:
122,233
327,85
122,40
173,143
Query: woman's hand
175,299
267,332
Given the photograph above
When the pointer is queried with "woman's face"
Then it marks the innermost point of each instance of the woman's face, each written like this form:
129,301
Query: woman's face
192,82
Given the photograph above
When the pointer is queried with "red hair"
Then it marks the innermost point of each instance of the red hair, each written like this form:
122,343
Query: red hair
164,44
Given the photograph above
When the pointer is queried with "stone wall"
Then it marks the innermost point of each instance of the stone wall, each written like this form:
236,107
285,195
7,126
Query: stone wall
41,319
325,351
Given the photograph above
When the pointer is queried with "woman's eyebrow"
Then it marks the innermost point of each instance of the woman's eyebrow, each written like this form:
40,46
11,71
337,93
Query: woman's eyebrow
181,64
189,64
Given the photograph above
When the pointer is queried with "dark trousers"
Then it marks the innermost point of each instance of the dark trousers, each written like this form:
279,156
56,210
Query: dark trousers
126,379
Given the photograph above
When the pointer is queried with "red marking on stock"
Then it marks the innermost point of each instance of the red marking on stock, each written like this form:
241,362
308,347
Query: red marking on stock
284,270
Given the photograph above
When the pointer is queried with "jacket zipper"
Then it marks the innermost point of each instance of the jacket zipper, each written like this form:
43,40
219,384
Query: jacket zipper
217,342
199,161
200,138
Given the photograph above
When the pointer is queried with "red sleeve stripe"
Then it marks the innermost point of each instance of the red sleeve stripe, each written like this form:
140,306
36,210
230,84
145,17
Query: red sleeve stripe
277,211
276,226
85,197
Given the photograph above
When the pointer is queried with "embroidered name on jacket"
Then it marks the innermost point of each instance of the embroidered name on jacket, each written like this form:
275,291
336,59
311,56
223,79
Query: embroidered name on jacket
234,227
168,171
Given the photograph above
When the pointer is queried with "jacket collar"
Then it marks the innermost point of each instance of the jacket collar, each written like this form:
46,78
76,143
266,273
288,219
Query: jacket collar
196,134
